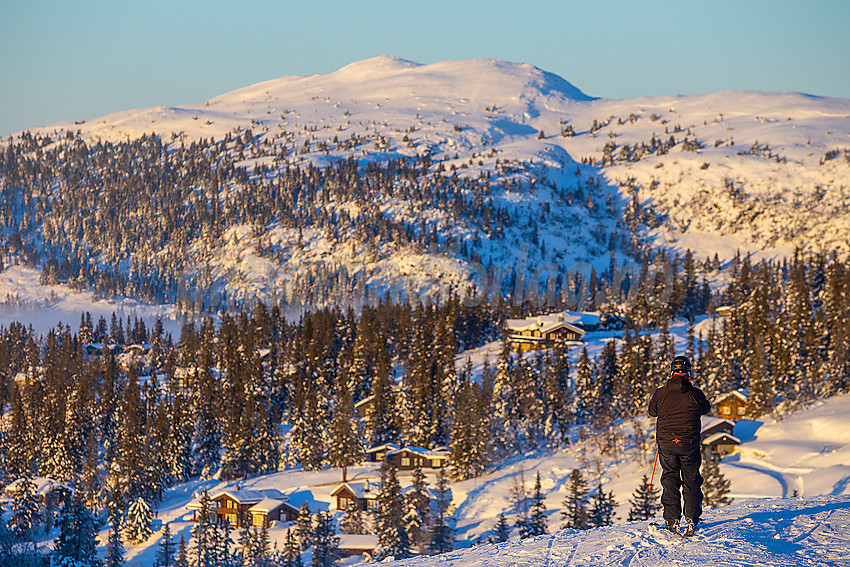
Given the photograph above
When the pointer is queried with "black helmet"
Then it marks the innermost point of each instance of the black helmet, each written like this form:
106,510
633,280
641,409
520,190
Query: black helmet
681,365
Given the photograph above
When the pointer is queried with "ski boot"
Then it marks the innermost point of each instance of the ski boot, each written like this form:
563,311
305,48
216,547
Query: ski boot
672,525
689,528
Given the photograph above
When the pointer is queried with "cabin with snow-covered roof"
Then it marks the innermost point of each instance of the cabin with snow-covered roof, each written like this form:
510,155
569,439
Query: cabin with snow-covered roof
377,453
717,436
732,405
542,331
240,507
363,495
409,458
364,405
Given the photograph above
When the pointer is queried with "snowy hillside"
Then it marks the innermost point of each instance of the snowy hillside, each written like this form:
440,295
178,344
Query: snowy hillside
770,533
807,452
760,172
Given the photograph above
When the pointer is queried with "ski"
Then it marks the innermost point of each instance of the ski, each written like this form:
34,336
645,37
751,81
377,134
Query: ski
688,533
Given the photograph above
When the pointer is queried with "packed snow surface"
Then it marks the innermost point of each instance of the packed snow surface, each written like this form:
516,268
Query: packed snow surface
791,532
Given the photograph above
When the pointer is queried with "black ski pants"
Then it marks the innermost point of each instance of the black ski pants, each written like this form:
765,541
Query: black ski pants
681,480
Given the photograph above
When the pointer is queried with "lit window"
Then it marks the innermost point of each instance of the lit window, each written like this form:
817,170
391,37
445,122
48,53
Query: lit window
725,410
740,411
405,462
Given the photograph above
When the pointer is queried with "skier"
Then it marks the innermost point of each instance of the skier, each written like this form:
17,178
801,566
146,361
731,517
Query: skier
678,407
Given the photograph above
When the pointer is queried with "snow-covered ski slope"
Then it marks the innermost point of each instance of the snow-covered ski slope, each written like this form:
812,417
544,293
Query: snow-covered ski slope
792,532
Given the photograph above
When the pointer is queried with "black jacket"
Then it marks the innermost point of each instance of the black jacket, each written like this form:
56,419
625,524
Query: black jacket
678,407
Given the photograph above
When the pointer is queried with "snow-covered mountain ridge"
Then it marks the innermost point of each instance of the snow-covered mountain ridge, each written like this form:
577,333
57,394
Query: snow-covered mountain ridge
759,172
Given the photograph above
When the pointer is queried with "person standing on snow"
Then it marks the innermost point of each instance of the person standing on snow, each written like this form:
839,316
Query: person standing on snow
678,407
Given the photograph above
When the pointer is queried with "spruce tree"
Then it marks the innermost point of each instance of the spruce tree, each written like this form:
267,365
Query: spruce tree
352,521
165,553
291,554
114,544
182,559
520,504
139,520
325,541
715,486
644,502
602,506
304,527
344,447
417,504
25,510
77,533
537,516
389,524
575,512
503,528
203,534
442,536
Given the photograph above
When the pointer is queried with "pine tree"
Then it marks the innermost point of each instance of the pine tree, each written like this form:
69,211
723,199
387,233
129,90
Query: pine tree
325,542
25,510
165,553
715,486
442,537
77,533
537,517
503,528
575,512
139,520
644,502
602,506
389,525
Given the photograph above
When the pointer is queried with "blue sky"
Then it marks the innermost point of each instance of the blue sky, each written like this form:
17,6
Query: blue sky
77,60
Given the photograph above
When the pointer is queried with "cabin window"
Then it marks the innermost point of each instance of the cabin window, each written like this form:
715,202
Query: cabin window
258,520
405,462
740,411
379,456
344,503
725,410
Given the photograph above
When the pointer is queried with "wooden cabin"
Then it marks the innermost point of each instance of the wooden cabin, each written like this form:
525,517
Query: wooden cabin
732,405
363,495
363,545
712,425
542,331
247,507
408,458
717,436
720,444
377,453
363,406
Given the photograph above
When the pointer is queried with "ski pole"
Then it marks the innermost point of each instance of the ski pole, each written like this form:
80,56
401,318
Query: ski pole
653,468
